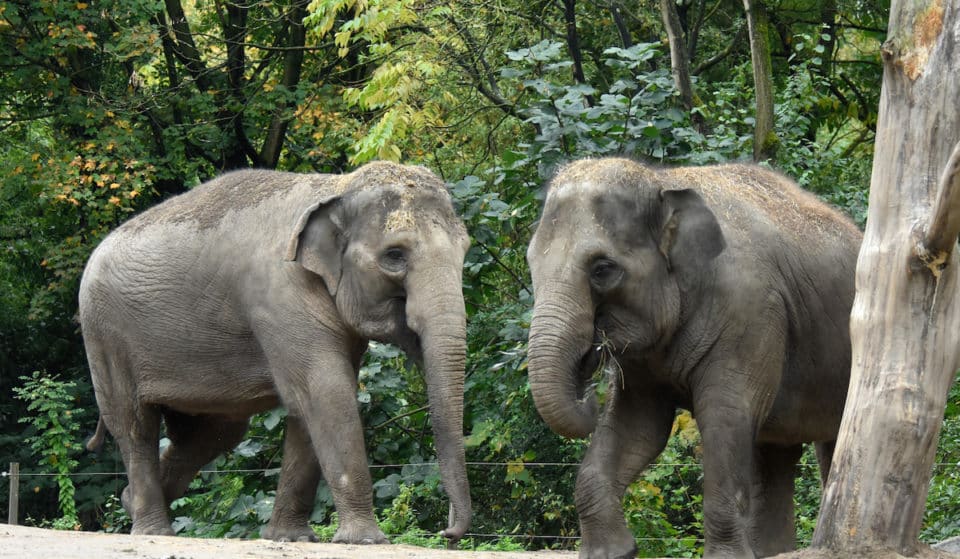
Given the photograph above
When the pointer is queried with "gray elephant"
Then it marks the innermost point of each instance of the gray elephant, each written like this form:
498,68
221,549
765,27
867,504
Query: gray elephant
260,289
724,290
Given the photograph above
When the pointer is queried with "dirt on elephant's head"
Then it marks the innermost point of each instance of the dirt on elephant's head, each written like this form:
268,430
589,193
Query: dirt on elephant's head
384,173
409,183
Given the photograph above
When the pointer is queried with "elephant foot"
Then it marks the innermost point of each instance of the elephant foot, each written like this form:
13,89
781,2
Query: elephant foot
157,526
301,533
611,546
146,529
364,533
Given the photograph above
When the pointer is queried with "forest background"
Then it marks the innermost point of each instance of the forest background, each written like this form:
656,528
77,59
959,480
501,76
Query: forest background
108,107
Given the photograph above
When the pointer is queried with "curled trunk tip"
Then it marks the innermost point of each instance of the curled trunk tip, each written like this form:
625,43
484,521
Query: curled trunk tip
575,420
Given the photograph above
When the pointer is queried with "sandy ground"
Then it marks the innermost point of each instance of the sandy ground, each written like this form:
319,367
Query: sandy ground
20,542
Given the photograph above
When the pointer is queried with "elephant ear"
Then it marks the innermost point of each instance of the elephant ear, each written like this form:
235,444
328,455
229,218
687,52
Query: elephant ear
691,237
316,241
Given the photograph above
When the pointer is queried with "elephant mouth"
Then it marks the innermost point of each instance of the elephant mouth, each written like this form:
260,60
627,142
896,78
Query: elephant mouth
591,364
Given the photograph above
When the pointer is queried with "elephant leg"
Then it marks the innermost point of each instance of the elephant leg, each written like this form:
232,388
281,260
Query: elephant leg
296,492
195,440
143,498
632,431
728,480
328,406
824,459
774,526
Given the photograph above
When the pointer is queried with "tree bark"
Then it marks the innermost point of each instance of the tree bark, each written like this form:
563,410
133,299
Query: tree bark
904,325
617,14
828,36
765,141
680,62
184,47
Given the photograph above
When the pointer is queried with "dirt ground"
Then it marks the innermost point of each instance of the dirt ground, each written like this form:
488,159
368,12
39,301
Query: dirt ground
924,552
20,542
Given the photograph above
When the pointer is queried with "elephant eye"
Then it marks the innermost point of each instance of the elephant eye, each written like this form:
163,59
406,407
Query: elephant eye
394,260
605,274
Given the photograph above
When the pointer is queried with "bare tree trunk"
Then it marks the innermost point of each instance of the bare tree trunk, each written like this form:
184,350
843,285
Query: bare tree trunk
765,140
905,324
680,62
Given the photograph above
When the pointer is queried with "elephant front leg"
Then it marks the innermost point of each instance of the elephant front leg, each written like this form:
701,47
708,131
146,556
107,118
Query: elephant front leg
728,482
333,422
633,430
296,492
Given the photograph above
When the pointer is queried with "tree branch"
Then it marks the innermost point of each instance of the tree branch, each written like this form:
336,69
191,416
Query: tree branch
509,270
401,416
734,44
941,235
479,69
184,47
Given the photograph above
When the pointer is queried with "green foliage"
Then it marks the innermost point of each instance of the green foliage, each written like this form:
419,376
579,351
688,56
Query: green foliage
54,437
664,506
220,503
807,496
942,519
635,115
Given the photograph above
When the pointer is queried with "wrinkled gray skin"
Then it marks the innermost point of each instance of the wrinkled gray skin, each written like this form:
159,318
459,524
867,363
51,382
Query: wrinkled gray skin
723,290
261,289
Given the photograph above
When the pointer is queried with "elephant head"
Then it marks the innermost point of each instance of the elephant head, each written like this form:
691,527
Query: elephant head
390,249
615,259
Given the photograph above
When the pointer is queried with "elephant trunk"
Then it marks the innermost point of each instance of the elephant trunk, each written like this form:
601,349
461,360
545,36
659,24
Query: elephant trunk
438,317
559,353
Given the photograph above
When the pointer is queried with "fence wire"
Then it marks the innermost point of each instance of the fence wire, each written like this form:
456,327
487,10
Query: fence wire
275,471
531,537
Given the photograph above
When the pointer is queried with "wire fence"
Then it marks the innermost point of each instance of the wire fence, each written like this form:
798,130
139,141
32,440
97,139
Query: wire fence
487,536
275,471
15,474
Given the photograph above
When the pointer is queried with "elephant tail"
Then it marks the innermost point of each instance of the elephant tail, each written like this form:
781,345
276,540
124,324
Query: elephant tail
96,441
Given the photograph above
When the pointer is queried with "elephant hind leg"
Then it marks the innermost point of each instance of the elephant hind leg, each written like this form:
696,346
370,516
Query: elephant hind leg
773,524
297,489
137,439
195,440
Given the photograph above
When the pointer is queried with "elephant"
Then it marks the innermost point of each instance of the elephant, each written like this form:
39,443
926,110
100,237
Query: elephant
725,290
262,289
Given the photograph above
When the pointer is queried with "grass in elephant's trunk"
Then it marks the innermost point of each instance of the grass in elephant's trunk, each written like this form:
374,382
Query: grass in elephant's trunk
599,367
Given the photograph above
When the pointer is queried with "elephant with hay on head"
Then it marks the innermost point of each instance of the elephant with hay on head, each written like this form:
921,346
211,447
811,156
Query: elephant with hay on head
260,289
724,290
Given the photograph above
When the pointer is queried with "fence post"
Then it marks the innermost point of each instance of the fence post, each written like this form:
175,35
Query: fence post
12,510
